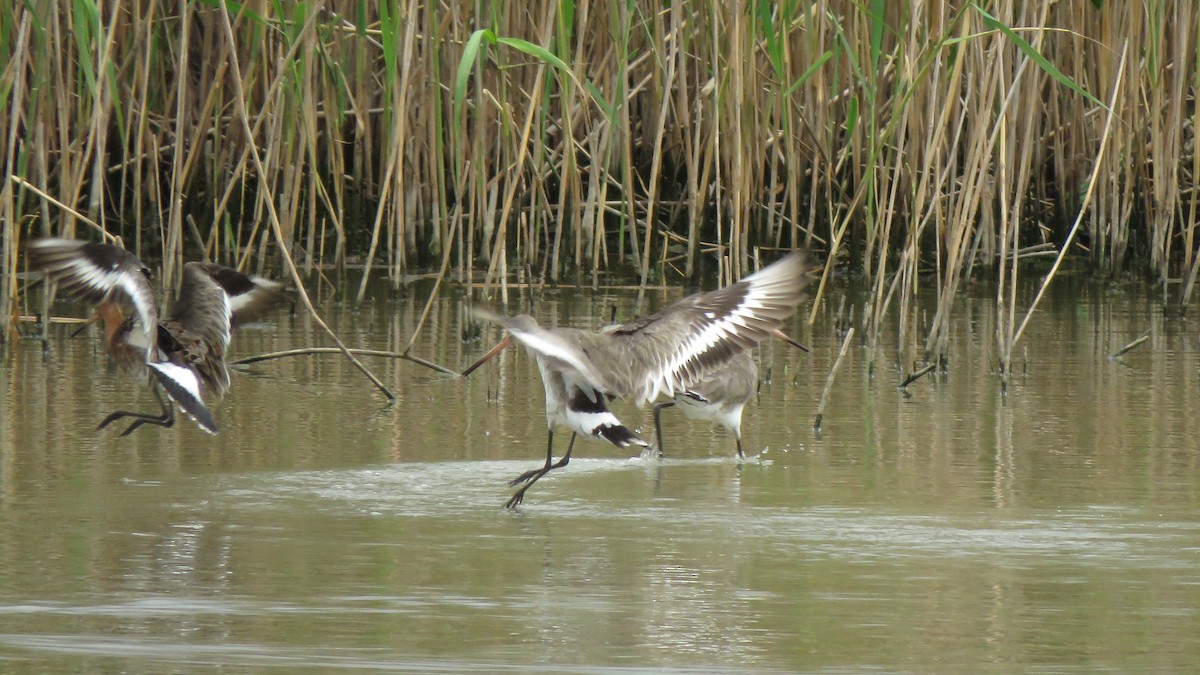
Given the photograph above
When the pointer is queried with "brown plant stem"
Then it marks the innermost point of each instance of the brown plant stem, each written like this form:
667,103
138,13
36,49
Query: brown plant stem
269,201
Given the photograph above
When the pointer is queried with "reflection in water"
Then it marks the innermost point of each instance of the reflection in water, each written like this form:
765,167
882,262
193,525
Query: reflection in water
1055,528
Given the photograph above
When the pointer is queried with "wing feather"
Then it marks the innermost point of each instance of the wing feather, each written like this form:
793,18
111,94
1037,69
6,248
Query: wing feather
214,299
99,273
552,346
676,346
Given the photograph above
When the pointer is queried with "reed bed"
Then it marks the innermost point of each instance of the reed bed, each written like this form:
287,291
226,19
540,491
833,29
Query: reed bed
913,144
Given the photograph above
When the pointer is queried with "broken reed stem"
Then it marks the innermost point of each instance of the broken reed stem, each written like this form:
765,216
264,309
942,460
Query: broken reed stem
917,375
829,380
437,285
39,318
306,351
111,238
268,199
1121,352
1084,205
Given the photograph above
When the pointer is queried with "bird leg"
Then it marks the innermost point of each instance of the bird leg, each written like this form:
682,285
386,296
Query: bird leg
166,419
531,477
658,426
549,461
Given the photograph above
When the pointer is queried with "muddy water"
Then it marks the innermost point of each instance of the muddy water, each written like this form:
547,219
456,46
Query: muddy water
1057,528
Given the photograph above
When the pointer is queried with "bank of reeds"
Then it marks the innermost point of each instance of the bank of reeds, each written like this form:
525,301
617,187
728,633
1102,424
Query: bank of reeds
914,143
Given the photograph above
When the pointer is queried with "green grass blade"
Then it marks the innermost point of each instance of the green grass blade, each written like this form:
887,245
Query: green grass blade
1036,56
807,74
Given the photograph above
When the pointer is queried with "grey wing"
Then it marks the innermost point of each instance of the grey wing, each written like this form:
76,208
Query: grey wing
560,348
99,273
202,309
249,296
672,348
734,382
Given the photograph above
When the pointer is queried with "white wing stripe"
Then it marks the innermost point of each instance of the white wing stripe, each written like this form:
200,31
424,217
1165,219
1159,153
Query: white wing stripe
227,305
553,349
147,316
81,271
184,377
765,292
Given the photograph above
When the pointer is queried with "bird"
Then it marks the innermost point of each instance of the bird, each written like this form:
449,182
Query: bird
663,353
719,395
183,354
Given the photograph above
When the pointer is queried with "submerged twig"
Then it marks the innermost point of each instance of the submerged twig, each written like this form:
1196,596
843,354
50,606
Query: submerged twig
305,351
917,375
829,381
1121,352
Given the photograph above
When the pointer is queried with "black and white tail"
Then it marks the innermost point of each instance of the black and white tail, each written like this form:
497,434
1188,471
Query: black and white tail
619,435
183,387
587,411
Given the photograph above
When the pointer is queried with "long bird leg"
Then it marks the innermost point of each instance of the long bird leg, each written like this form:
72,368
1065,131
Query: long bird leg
166,419
658,426
549,461
531,477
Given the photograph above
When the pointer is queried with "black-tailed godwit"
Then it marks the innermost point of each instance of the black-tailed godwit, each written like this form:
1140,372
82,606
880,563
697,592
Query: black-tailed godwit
719,395
182,354
664,353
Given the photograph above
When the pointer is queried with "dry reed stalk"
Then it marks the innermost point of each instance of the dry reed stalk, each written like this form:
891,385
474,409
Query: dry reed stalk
1015,127
913,377
65,208
1140,340
310,351
13,80
1097,164
243,115
660,130
837,363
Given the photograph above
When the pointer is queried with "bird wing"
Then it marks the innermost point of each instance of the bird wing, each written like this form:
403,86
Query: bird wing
249,296
99,273
183,387
666,351
202,311
214,299
552,346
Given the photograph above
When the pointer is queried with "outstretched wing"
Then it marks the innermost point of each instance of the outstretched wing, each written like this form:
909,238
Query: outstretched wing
202,311
99,273
215,299
552,346
667,351
249,296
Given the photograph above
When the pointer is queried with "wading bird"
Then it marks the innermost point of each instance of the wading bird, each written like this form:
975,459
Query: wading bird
720,395
664,353
182,354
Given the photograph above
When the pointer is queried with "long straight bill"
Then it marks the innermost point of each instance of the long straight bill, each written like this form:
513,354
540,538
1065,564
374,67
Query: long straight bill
491,352
77,331
790,340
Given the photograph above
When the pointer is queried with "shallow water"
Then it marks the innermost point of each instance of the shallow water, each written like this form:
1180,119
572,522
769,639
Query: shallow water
1055,528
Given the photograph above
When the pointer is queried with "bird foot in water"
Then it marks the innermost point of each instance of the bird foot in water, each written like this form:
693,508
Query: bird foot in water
525,477
516,499
650,452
